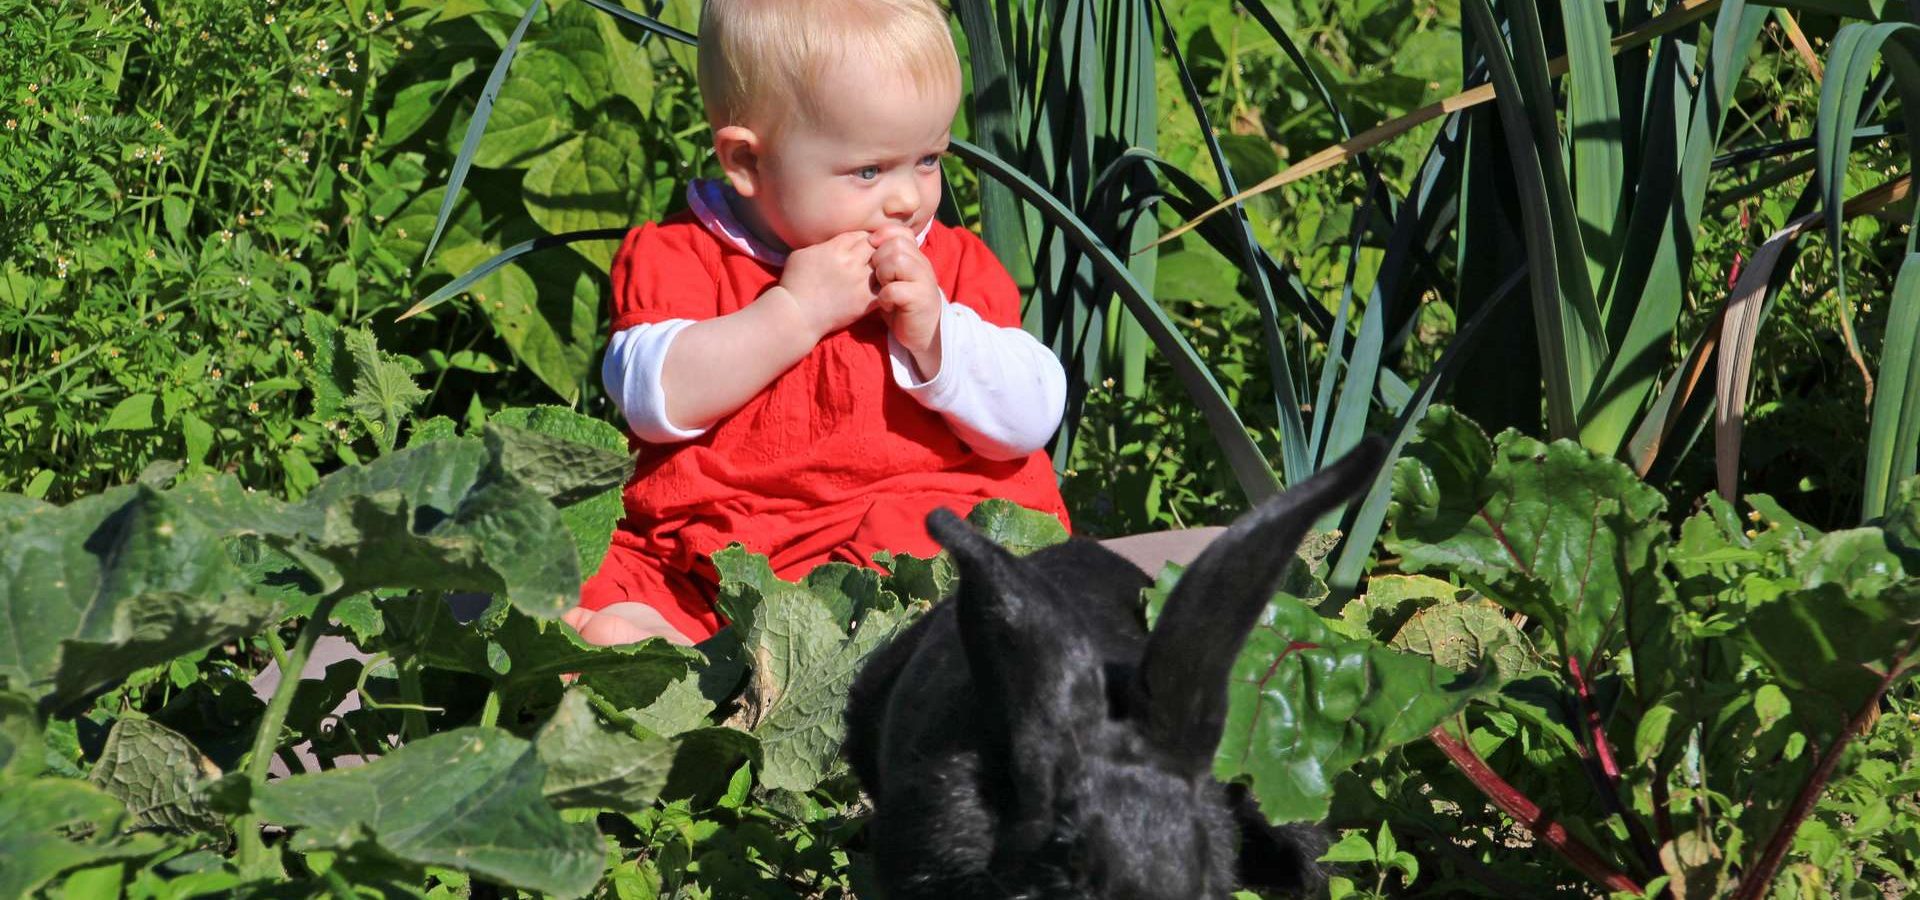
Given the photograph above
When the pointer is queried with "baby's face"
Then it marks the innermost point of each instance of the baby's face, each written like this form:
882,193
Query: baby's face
871,158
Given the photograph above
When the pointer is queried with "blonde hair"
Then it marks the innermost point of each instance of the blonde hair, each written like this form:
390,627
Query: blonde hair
759,59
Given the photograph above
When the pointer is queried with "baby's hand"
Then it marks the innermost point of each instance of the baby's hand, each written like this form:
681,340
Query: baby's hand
831,282
909,295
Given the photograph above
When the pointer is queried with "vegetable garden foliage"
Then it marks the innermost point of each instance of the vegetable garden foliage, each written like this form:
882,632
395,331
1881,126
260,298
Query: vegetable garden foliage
1665,710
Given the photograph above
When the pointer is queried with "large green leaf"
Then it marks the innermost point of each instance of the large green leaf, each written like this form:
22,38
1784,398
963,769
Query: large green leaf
124,579
157,773
440,517
1549,530
525,120
469,800
1844,624
599,765
590,519
53,825
803,661
22,752
1306,703
1018,529
582,184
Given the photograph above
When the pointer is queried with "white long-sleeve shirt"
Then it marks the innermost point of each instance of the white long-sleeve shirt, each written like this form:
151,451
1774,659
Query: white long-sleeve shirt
999,389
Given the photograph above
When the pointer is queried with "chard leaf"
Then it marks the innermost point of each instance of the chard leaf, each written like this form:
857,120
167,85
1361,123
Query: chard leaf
109,584
1305,703
802,661
469,799
1389,602
1462,635
157,773
49,826
1549,530
1831,646
592,764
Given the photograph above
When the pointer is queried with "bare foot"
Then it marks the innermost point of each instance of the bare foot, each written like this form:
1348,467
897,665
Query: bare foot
625,623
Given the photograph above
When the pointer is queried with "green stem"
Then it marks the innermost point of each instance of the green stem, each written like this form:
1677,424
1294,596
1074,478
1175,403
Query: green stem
490,713
408,674
206,154
254,861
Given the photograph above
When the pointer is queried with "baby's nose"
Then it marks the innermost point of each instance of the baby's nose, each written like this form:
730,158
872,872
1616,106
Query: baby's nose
903,201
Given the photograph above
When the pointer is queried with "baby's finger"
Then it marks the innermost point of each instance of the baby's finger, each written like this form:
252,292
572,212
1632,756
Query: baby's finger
892,231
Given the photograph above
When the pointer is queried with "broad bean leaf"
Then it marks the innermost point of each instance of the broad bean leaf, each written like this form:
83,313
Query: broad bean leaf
582,184
109,584
157,773
469,800
802,661
49,826
524,119
594,764
1305,703
1549,530
1015,527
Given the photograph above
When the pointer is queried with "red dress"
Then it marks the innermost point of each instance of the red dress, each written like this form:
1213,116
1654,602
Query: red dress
831,462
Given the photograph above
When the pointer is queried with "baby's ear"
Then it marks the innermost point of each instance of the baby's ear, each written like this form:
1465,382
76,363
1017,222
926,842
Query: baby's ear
737,148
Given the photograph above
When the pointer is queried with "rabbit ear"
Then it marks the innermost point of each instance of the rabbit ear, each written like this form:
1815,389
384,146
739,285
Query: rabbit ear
1027,648
1182,679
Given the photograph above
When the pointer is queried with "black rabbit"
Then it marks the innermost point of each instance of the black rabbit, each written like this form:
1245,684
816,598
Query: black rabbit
1029,738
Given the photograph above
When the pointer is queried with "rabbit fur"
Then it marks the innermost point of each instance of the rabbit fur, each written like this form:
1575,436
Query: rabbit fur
1029,738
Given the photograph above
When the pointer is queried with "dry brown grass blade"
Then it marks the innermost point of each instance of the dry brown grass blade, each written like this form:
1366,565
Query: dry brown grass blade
1800,43
1681,14
1740,324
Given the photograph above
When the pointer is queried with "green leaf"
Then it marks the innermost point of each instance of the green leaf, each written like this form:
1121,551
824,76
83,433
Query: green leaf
1552,531
1894,432
1016,528
382,393
135,413
156,772
49,826
582,184
525,121
441,516
109,584
1390,601
803,661
591,520
1833,649
469,800
592,764
1353,847
1461,636
22,749
1305,704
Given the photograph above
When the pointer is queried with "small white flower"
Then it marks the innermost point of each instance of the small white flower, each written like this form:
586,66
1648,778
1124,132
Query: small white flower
266,184
320,45
269,18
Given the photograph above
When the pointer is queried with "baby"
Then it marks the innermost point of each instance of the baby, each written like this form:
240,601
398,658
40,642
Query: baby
807,361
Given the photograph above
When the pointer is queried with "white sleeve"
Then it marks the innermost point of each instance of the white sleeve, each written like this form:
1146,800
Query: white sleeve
631,373
999,389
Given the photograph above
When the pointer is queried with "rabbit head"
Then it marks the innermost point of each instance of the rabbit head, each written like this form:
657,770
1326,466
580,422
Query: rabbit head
1030,738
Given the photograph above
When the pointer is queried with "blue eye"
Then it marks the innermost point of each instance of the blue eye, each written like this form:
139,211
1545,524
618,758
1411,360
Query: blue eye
930,160
867,173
